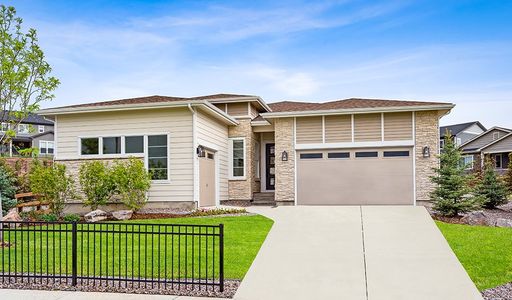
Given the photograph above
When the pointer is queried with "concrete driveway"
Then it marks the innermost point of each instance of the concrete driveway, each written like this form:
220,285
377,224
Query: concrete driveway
385,252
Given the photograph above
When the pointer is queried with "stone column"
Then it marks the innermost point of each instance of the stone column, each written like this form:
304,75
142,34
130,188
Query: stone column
285,170
427,135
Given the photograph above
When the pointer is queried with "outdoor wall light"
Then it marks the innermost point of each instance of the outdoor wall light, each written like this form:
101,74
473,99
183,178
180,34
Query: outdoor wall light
200,151
426,152
284,156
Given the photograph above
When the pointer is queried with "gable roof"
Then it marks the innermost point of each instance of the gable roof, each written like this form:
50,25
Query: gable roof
497,141
506,130
31,118
457,128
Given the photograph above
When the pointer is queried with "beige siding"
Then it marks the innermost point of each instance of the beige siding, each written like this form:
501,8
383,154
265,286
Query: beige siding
238,109
504,145
309,130
211,133
221,106
338,129
367,127
253,112
175,122
397,126
485,139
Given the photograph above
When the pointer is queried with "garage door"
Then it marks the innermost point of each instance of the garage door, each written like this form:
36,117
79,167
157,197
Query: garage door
355,177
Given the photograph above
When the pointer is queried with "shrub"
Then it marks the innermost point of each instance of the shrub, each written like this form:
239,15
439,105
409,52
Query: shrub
53,184
491,188
131,181
508,175
7,187
49,218
97,184
72,218
452,194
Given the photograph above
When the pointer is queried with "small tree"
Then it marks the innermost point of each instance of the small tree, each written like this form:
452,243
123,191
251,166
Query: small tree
52,182
7,188
97,184
25,79
132,181
491,188
508,175
452,194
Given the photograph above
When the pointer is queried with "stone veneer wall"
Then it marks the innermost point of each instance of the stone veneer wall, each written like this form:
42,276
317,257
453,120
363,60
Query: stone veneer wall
243,189
285,170
427,134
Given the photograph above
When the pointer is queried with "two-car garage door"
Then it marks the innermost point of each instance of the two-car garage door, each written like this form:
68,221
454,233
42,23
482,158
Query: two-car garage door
355,177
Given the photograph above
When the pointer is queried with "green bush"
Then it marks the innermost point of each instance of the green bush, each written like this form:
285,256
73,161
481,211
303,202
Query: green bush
72,218
97,184
508,175
131,181
491,188
49,218
7,187
53,184
453,194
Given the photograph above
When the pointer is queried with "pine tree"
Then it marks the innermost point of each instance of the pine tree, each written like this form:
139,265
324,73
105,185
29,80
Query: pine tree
453,194
491,188
508,174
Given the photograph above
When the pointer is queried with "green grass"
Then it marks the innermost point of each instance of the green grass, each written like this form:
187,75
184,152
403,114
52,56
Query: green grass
485,252
243,236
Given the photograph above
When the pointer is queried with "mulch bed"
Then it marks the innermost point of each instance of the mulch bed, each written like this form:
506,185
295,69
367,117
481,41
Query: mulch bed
503,212
502,292
230,287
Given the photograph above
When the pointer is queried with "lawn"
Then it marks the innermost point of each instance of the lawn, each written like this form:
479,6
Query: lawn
485,252
141,255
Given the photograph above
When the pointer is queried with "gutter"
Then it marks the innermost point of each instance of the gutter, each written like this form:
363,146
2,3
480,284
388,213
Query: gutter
306,113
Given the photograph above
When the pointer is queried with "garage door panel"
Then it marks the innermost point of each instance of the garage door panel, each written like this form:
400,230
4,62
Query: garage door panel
355,181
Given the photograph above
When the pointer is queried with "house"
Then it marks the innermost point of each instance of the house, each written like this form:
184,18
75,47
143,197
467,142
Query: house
34,131
461,133
207,150
494,144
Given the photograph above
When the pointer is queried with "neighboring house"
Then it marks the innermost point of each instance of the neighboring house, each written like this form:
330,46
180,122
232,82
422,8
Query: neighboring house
461,133
494,144
34,131
202,151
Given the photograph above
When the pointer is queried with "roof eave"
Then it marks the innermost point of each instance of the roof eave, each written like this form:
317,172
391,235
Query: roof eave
242,99
356,110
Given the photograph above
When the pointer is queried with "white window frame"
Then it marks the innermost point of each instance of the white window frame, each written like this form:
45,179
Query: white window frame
146,156
26,126
469,165
458,141
230,159
441,143
496,161
46,143
40,128
6,125
495,135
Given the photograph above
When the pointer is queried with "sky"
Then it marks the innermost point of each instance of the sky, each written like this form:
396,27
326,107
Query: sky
449,51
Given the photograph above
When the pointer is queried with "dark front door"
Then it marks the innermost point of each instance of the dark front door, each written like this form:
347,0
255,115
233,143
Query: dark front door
270,166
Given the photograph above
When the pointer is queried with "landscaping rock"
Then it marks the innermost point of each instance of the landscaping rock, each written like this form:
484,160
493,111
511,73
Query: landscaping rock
475,218
12,215
96,216
503,222
122,214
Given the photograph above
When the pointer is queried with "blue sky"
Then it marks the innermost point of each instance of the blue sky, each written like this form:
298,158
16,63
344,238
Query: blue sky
456,51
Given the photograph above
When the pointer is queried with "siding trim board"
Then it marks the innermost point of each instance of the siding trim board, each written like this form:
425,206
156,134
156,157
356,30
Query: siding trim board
354,145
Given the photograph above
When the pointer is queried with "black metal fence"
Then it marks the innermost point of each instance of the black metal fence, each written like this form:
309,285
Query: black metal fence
110,254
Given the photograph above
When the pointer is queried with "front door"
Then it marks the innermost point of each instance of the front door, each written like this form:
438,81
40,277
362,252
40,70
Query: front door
270,166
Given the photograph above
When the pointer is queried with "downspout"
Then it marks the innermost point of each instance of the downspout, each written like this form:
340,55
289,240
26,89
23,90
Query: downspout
194,156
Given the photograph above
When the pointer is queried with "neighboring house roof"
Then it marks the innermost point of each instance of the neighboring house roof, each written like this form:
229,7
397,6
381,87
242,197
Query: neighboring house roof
498,141
480,136
457,128
137,100
31,118
222,96
41,134
352,104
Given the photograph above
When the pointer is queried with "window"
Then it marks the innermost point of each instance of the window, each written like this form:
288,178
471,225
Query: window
237,159
495,136
46,147
458,142
338,155
89,146
441,143
40,128
311,155
134,144
467,161
112,145
23,128
157,157
4,127
257,155
396,153
498,161
367,154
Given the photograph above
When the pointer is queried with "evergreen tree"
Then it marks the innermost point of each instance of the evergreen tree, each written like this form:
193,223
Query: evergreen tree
491,188
508,174
452,194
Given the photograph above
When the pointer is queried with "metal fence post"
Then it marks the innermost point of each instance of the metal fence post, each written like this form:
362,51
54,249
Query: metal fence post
74,255
221,257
